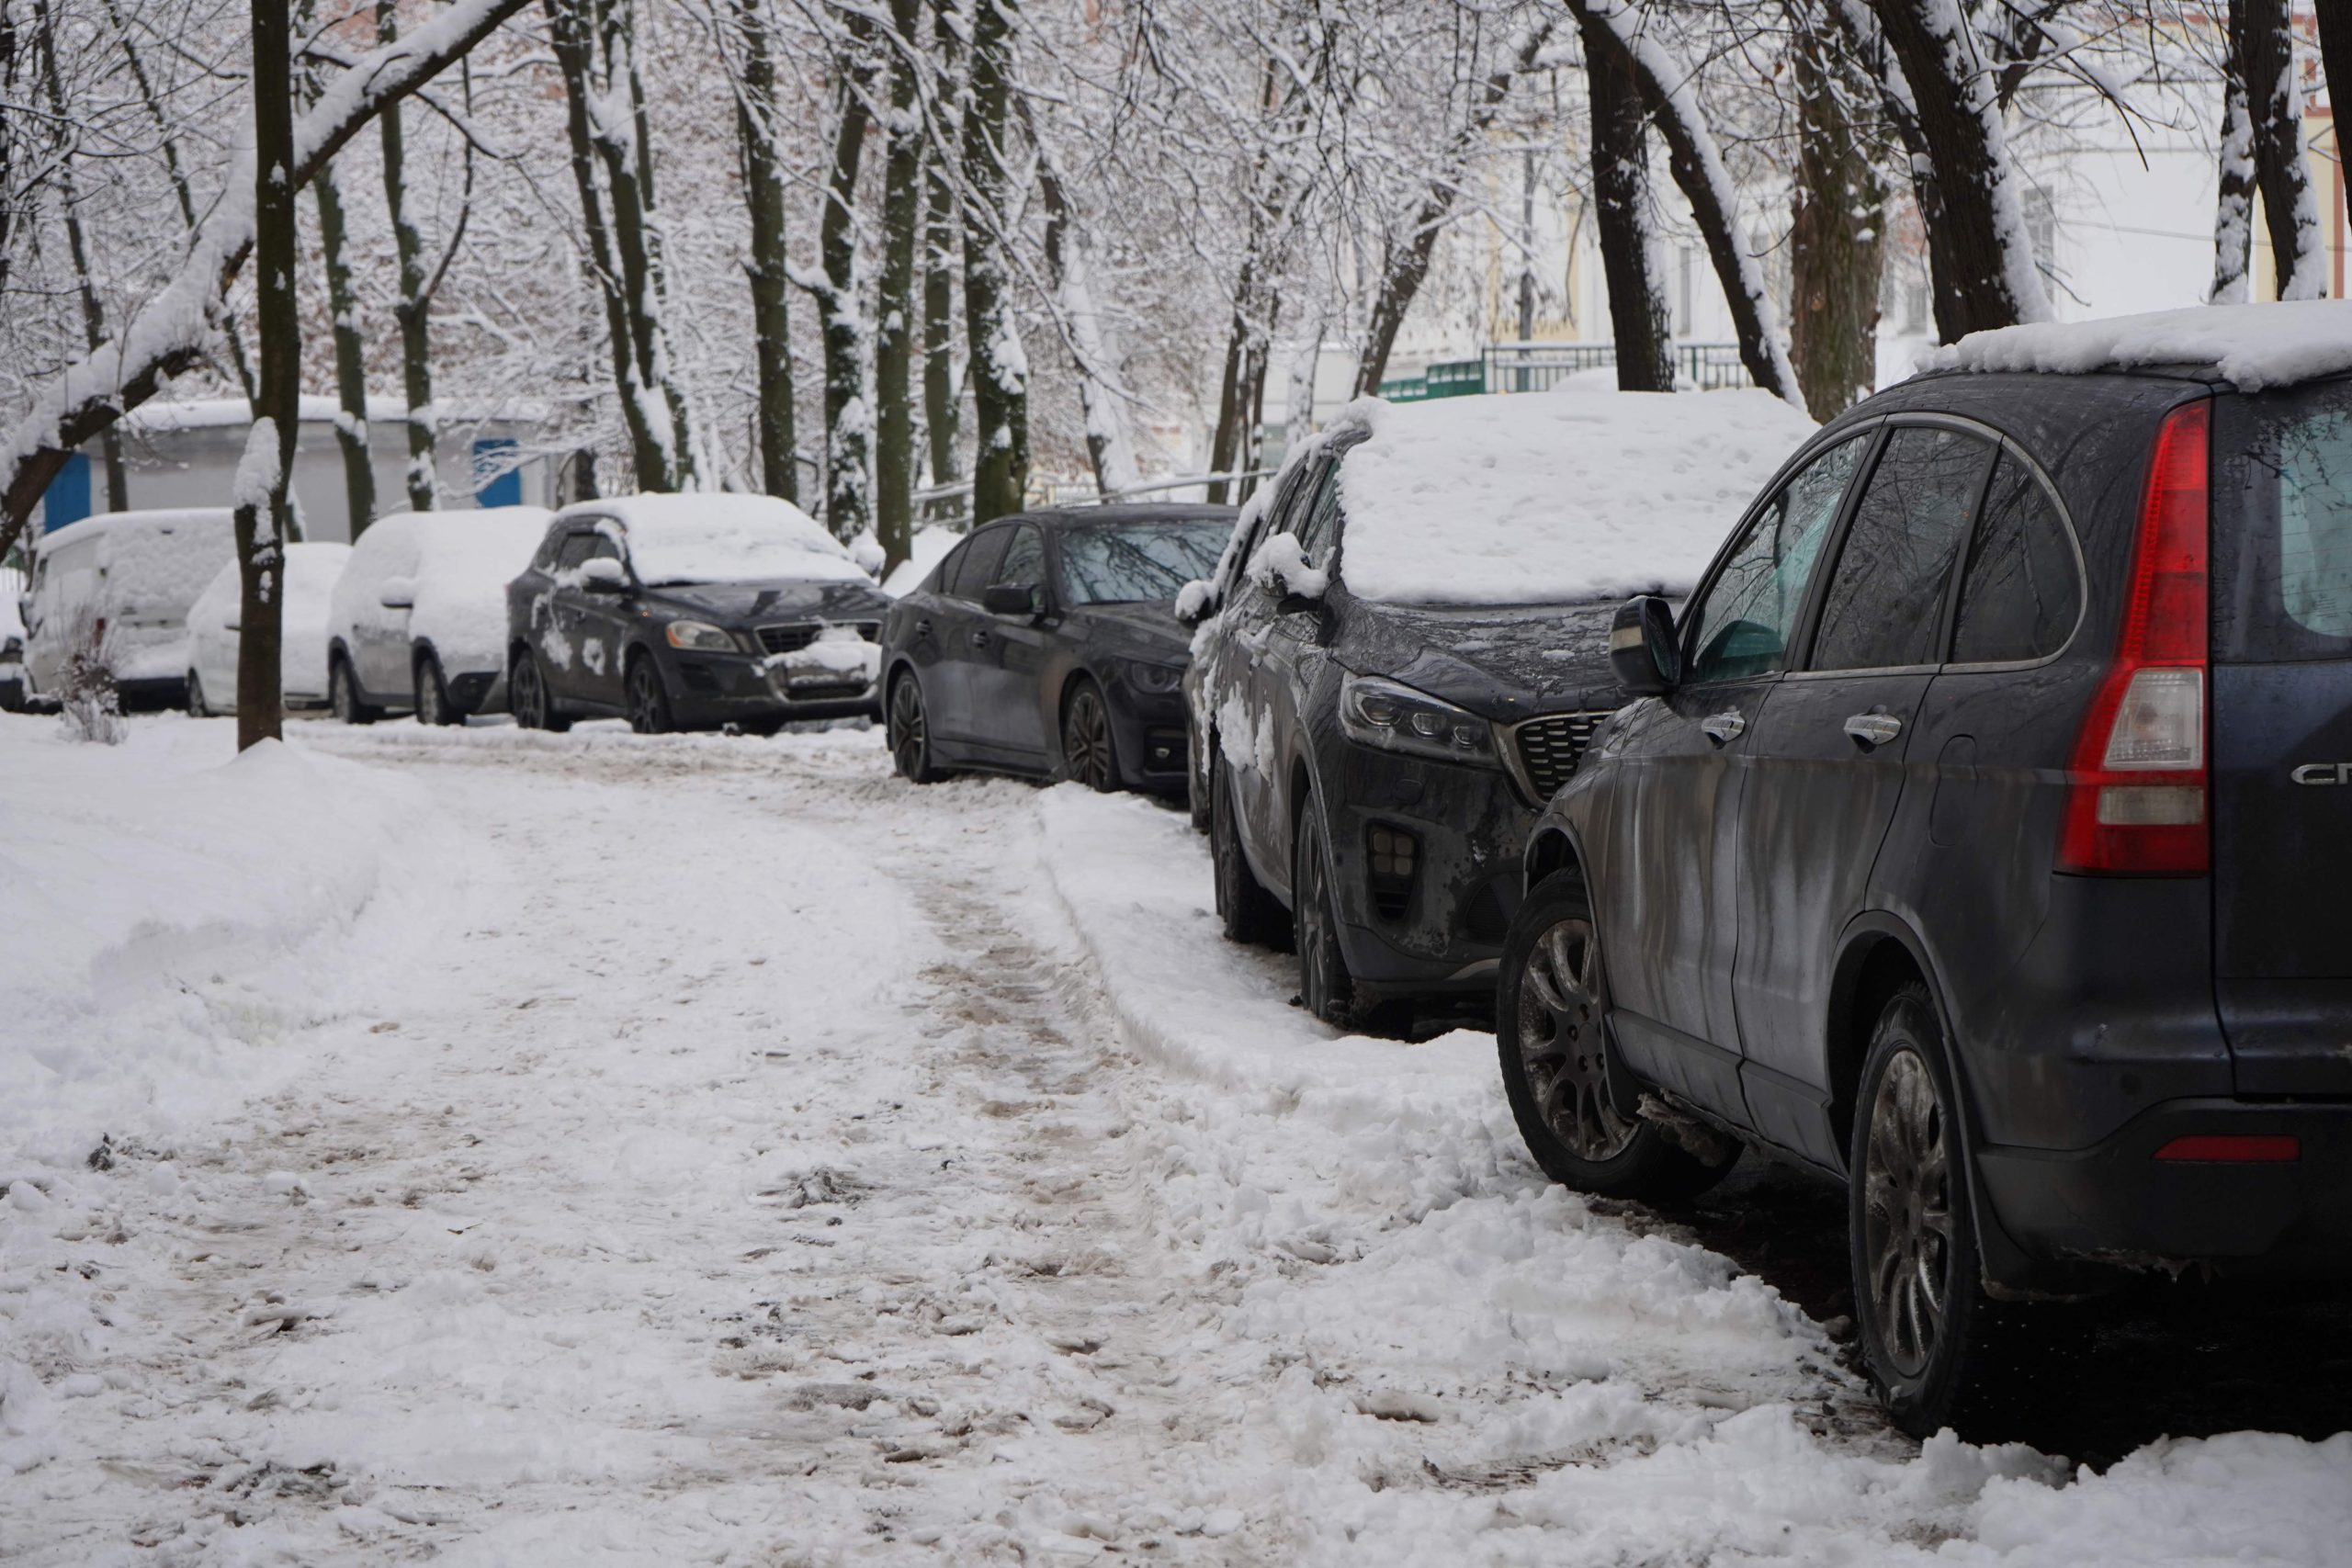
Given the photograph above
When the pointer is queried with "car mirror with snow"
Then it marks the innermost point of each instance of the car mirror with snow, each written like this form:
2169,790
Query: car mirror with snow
603,575
1014,599
398,594
1642,650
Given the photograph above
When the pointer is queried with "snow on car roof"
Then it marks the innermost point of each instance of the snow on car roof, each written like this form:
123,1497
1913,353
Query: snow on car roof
715,537
1583,492
112,522
2256,346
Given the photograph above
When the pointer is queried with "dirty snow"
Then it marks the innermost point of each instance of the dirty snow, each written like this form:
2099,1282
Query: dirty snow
960,1198
1579,493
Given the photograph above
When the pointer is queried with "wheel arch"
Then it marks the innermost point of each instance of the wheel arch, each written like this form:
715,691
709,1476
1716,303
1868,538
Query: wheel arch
1551,847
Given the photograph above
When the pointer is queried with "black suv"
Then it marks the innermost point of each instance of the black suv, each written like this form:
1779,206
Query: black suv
691,612
1975,835
1367,770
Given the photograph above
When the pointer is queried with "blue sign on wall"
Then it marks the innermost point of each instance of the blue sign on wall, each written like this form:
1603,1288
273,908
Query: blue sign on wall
491,487
68,499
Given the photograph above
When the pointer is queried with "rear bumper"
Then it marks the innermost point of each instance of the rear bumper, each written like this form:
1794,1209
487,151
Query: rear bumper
2117,1204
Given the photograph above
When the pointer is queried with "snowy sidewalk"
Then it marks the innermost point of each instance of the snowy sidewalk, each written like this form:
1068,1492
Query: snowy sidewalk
694,1150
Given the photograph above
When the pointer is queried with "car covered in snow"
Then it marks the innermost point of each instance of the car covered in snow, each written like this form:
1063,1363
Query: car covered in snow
119,587
1048,645
417,622
213,631
1406,648
1975,835
692,612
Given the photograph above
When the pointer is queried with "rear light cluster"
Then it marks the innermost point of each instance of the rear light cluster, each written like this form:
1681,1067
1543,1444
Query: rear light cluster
2138,792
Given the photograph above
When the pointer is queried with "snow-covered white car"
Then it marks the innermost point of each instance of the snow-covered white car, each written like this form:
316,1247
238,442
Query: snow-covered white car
312,570
418,619
120,585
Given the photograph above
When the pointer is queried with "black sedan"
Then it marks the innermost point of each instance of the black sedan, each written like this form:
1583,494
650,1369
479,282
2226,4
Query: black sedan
691,612
1048,645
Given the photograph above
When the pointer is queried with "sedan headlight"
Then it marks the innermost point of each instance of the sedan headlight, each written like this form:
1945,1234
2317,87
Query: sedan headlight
1157,678
1396,718
698,636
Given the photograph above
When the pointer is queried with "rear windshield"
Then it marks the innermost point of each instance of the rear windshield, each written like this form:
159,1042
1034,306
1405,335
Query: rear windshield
2282,538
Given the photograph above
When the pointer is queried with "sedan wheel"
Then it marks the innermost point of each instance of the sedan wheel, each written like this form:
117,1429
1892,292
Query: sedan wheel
1325,986
1087,754
910,733
649,704
1559,1041
432,694
526,689
196,706
343,695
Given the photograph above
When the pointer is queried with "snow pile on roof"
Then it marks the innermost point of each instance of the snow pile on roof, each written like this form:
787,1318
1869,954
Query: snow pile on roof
466,561
1578,494
155,564
712,538
171,911
2253,346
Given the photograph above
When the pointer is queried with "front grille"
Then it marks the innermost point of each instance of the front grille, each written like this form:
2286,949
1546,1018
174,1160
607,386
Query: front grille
1551,747
798,634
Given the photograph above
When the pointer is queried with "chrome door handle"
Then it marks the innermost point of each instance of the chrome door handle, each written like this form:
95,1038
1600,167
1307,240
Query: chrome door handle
1723,728
979,639
1873,728
922,628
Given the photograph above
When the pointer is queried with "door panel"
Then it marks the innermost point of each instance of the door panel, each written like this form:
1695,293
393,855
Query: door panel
947,685
1005,659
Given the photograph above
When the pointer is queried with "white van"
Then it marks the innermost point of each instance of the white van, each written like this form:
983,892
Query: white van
312,570
418,623
121,583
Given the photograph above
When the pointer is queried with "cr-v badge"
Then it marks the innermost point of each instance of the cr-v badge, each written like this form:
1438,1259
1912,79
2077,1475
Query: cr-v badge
2323,773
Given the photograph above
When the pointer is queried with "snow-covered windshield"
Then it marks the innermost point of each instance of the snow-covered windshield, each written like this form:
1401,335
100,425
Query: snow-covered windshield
727,538
1120,563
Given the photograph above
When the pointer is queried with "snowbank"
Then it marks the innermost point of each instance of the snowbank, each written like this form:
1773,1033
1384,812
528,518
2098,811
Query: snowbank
2273,344
926,549
166,912
724,538
1578,494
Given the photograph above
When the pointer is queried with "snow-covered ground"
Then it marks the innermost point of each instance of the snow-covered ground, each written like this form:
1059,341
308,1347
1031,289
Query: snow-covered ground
539,1149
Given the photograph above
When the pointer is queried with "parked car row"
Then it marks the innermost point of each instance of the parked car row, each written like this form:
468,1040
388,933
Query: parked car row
1955,809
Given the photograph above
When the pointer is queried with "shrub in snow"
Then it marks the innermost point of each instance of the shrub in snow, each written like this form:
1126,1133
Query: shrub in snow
87,691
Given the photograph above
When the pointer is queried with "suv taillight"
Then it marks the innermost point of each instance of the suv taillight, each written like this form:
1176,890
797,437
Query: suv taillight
2137,797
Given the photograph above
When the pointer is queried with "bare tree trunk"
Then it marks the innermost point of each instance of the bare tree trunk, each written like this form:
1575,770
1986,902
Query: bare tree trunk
2234,209
1101,399
894,332
1620,211
2334,23
1836,247
170,334
1865,44
263,520
770,268
622,137
2265,38
1405,266
1697,168
939,400
409,306
849,501
1230,399
1978,209
1000,367
94,318
350,356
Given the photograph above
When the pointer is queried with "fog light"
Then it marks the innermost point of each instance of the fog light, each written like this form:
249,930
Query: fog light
2234,1148
2151,806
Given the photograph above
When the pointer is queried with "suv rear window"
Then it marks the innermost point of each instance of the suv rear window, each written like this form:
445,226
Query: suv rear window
2282,545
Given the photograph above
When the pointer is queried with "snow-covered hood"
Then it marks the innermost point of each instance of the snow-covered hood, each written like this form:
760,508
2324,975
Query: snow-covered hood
1499,663
1146,629
758,604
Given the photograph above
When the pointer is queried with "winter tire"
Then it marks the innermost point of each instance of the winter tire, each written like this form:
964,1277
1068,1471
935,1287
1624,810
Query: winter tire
1551,1007
432,706
1919,1306
908,729
528,696
1248,912
1090,756
196,706
1325,986
648,700
342,694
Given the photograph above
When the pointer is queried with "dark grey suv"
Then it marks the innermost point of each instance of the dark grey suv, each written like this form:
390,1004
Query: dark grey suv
1976,836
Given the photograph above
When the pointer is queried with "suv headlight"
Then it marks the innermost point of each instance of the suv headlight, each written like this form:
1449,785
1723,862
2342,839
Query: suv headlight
1396,718
698,636
1159,680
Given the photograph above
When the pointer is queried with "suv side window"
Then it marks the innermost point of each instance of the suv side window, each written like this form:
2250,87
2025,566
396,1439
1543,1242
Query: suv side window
2022,591
1742,625
1024,559
577,548
1884,609
1318,525
973,567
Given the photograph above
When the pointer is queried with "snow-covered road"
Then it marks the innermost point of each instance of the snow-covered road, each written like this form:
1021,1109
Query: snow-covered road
708,1150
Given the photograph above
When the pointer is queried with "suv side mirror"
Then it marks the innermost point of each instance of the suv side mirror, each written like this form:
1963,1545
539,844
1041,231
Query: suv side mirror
1642,649
604,575
398,594
1014,599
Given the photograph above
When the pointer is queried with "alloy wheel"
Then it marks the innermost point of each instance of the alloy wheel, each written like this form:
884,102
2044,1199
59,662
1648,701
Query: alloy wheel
340,696
428,695
910,737
1323,980
649,709
197,707
1560,1041
528,696
1906,1212
1086,741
